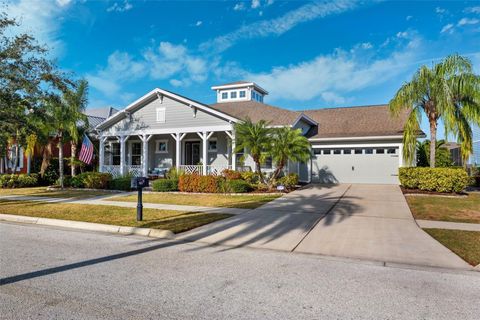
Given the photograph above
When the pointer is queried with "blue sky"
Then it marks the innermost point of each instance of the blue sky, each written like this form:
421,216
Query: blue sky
306,54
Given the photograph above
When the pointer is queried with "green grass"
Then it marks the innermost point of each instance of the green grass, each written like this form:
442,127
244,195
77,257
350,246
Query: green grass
43,192
465,244
176,221
458,209
205,200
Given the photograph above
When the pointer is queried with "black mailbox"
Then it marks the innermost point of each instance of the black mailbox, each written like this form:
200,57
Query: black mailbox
139,183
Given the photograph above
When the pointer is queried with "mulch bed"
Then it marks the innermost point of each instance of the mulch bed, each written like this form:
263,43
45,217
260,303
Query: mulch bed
432,193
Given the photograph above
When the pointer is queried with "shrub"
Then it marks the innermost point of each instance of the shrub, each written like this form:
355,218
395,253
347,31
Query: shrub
250,176
18,180
67,181
165,185
121,183
231,174
434,179
174,174
93,180
238,186
197,183
289,181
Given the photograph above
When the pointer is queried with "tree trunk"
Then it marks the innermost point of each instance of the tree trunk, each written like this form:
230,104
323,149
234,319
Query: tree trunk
29,163
60,160
258,169
46,155
73,155
433,142
16,156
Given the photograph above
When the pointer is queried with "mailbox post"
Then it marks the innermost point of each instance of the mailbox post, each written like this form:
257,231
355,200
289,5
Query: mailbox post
139,183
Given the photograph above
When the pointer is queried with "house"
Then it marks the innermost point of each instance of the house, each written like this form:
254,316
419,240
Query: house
475,158
163,129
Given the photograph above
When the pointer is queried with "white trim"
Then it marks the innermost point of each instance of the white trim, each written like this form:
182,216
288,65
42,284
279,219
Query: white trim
172,130
241,85
358,138
305,117
157,143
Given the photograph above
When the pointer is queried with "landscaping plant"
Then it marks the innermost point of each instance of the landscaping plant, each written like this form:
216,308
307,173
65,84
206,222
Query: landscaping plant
434,179
165,185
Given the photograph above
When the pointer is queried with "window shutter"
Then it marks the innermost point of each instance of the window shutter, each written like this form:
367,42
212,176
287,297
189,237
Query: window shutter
161,115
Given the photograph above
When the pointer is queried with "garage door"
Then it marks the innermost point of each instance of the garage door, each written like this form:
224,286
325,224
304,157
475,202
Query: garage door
356,165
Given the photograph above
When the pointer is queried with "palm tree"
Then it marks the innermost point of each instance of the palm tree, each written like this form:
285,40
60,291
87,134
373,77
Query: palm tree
77,102
288,145
255,140
442,154
449,91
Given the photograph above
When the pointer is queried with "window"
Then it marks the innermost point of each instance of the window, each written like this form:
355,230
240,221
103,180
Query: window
161,146
391,150
116,154
243,94
261,99
254,95
161,115
233,95
347,151
326,151
380,151
224,95
337,151
358,151
136,154
317,151
268,163
212,145
368,151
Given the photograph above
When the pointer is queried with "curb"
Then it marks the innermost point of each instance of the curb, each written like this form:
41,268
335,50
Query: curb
89,226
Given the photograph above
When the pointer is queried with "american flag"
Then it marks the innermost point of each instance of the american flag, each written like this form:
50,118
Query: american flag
86,153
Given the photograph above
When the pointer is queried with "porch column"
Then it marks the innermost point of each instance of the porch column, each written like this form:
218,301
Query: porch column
101,156
205,136
122,140
234,146
178,147
145,138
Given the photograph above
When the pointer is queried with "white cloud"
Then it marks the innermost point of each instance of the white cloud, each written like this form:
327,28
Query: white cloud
408,18
239,6
176,83
331,77
447,28
468,21
278,26
472,10
403,34
255,4
440,10
198,23
120,7
42,19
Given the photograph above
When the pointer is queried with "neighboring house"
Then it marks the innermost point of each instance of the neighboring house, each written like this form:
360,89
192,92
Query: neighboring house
455,153
475,158
163,129
94,116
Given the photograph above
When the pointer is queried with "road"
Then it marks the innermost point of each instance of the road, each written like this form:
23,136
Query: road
52,273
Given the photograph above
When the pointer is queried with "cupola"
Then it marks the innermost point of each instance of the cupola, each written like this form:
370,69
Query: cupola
240,91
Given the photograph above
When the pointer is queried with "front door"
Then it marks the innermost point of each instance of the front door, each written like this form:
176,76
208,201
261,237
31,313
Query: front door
192,152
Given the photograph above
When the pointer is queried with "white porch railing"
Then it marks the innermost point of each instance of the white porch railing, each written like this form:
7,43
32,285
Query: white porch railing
112,169
134,170
214,170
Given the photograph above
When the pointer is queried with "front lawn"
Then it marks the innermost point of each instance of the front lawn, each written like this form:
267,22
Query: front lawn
461,209
57,193
204,200
176,221
465,244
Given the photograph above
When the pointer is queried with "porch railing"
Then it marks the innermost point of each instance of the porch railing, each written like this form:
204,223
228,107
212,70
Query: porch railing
191,169
214,170
114,170
134,170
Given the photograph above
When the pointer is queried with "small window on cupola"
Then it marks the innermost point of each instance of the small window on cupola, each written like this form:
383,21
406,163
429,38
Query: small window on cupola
224,95
233,95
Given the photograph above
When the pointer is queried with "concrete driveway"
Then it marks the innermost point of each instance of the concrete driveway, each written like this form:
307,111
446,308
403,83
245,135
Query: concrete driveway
356,221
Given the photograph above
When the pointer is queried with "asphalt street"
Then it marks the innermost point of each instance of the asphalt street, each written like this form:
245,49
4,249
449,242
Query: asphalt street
50,273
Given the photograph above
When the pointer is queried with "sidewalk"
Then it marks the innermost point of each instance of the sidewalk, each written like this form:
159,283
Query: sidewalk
99,201
448,225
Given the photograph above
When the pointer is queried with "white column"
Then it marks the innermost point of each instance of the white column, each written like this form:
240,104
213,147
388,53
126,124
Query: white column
178,147
205,136
122,139
145,139
234,146
101,156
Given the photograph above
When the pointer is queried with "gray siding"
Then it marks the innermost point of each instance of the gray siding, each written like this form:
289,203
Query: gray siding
177,115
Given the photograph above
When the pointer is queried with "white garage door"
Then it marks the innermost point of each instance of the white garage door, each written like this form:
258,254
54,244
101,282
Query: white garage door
356,165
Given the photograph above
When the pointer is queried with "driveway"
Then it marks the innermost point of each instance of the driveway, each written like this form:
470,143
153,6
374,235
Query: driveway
356,221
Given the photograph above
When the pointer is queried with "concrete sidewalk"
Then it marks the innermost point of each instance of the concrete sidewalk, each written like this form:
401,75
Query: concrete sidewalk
449,225
100,201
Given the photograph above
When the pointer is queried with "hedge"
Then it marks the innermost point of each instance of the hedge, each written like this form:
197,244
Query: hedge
93,180
434,179
122,183
165,185
18,180
289,181
238,186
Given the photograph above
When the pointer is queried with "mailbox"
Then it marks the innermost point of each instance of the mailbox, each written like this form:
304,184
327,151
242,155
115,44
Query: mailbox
139,183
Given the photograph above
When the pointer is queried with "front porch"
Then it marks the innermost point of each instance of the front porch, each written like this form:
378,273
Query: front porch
153,154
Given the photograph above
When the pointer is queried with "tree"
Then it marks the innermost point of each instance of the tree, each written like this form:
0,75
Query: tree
288,144
448,91
442,155
255,140
76,101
